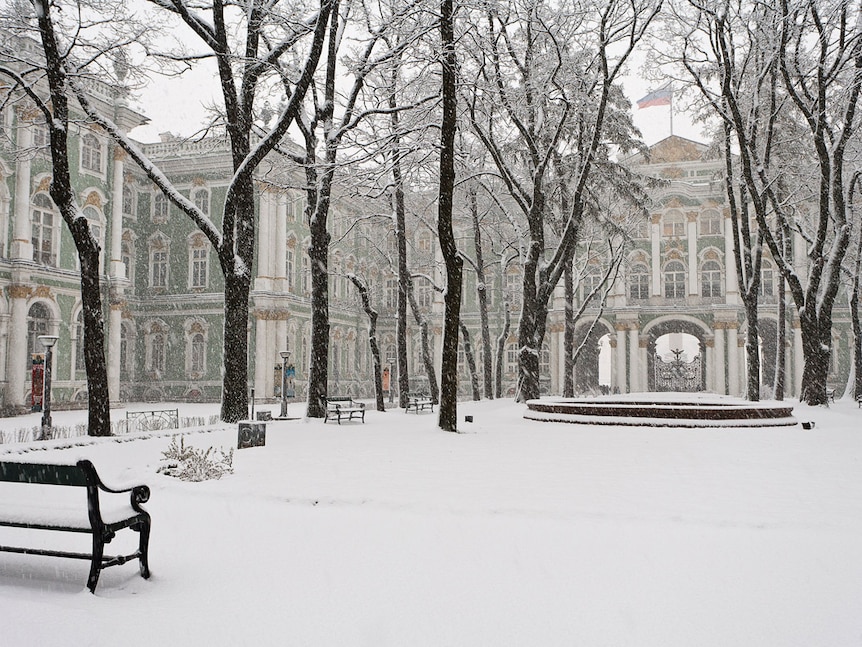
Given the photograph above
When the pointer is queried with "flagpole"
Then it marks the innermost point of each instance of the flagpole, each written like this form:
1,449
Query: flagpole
671,114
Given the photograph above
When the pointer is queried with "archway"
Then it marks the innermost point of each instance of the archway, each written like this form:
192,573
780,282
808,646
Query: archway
592,368
676,356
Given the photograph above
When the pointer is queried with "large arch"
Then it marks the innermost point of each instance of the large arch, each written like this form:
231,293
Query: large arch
675,324
587,365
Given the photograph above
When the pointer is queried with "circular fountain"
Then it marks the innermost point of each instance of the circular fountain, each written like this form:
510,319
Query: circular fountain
662,410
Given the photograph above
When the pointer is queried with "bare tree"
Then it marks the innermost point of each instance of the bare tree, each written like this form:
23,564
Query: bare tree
372,338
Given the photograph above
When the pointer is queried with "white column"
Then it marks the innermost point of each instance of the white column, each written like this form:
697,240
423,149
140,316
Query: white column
655,240
22,245
279,344
17,350
4,337
693,282
261,360
798,360
720,387
280,244
117,268
730,286
621,359
732,359
115,323
264,232
710,365
634,360
643,379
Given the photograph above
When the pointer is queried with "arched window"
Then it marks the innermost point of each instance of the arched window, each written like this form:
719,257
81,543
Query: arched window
157,358
710,279
156,347
673,224
38,319
44,231
198,353
424,293
674,280
91,153
201,198
639,275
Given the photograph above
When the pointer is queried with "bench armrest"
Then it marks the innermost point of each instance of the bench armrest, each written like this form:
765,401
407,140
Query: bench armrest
139,493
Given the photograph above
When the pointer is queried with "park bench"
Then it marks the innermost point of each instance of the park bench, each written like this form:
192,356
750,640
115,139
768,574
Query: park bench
830,395
418,402
339,407
102,517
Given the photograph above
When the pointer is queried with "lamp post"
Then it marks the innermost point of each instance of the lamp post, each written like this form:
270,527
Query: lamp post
48,342
391,360
285,354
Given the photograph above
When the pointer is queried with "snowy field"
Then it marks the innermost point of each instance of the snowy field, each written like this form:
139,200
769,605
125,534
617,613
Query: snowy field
511,533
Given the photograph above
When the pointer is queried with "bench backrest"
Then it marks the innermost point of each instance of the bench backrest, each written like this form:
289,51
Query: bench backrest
339,400
43,474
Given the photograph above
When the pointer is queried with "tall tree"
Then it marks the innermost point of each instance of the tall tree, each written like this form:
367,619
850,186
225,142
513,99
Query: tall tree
534,98
245,64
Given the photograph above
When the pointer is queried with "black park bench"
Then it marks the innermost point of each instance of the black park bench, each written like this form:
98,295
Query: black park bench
418,402
101,522
339,407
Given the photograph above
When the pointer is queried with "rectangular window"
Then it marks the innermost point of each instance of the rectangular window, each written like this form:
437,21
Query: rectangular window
43,238
159,269
160,208
198,270
289,268
391,293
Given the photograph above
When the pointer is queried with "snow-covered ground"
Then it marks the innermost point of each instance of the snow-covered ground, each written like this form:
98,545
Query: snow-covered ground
513,532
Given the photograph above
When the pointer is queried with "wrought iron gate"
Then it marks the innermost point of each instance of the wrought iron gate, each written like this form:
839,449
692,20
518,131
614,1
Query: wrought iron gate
678,375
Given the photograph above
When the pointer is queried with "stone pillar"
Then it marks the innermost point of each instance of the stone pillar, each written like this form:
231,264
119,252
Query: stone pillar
718,331
710,364
612,344
693,274
730,287
621,382
634,359
263,280
17,366
114,360
280,255
643,383
261,359
655,240
22,245
117,268
798,359
732,358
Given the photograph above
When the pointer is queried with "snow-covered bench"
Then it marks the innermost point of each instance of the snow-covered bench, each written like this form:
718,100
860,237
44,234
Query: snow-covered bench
339,407
51,509
418,402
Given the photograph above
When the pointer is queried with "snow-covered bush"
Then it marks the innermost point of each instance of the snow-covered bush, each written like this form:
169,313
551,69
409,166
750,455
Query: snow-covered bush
191,464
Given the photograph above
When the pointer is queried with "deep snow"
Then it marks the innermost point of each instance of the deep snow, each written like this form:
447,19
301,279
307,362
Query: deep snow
513,532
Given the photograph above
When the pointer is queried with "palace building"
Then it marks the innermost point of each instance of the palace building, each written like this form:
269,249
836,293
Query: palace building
673,319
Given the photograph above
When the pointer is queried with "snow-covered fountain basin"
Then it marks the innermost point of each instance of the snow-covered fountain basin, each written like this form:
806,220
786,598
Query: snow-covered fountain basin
664,409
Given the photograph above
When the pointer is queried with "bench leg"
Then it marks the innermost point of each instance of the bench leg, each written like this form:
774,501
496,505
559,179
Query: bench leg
143,548
96,562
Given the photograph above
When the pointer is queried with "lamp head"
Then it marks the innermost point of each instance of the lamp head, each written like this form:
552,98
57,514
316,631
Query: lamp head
48,341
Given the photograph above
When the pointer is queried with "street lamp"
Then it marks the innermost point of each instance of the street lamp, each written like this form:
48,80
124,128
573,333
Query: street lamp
285,354
391,360
48,342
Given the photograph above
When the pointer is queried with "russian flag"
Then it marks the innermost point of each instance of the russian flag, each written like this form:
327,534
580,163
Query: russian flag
660,97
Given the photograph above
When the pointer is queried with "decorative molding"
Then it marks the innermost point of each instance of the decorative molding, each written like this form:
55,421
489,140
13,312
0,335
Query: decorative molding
18,291
93,199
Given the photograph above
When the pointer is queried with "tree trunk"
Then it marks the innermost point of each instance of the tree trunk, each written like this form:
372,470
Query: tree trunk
319,371
448,411
482,292
501,352
372,340
569,333
471,362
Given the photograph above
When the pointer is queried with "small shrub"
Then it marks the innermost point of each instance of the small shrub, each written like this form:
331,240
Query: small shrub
190,464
